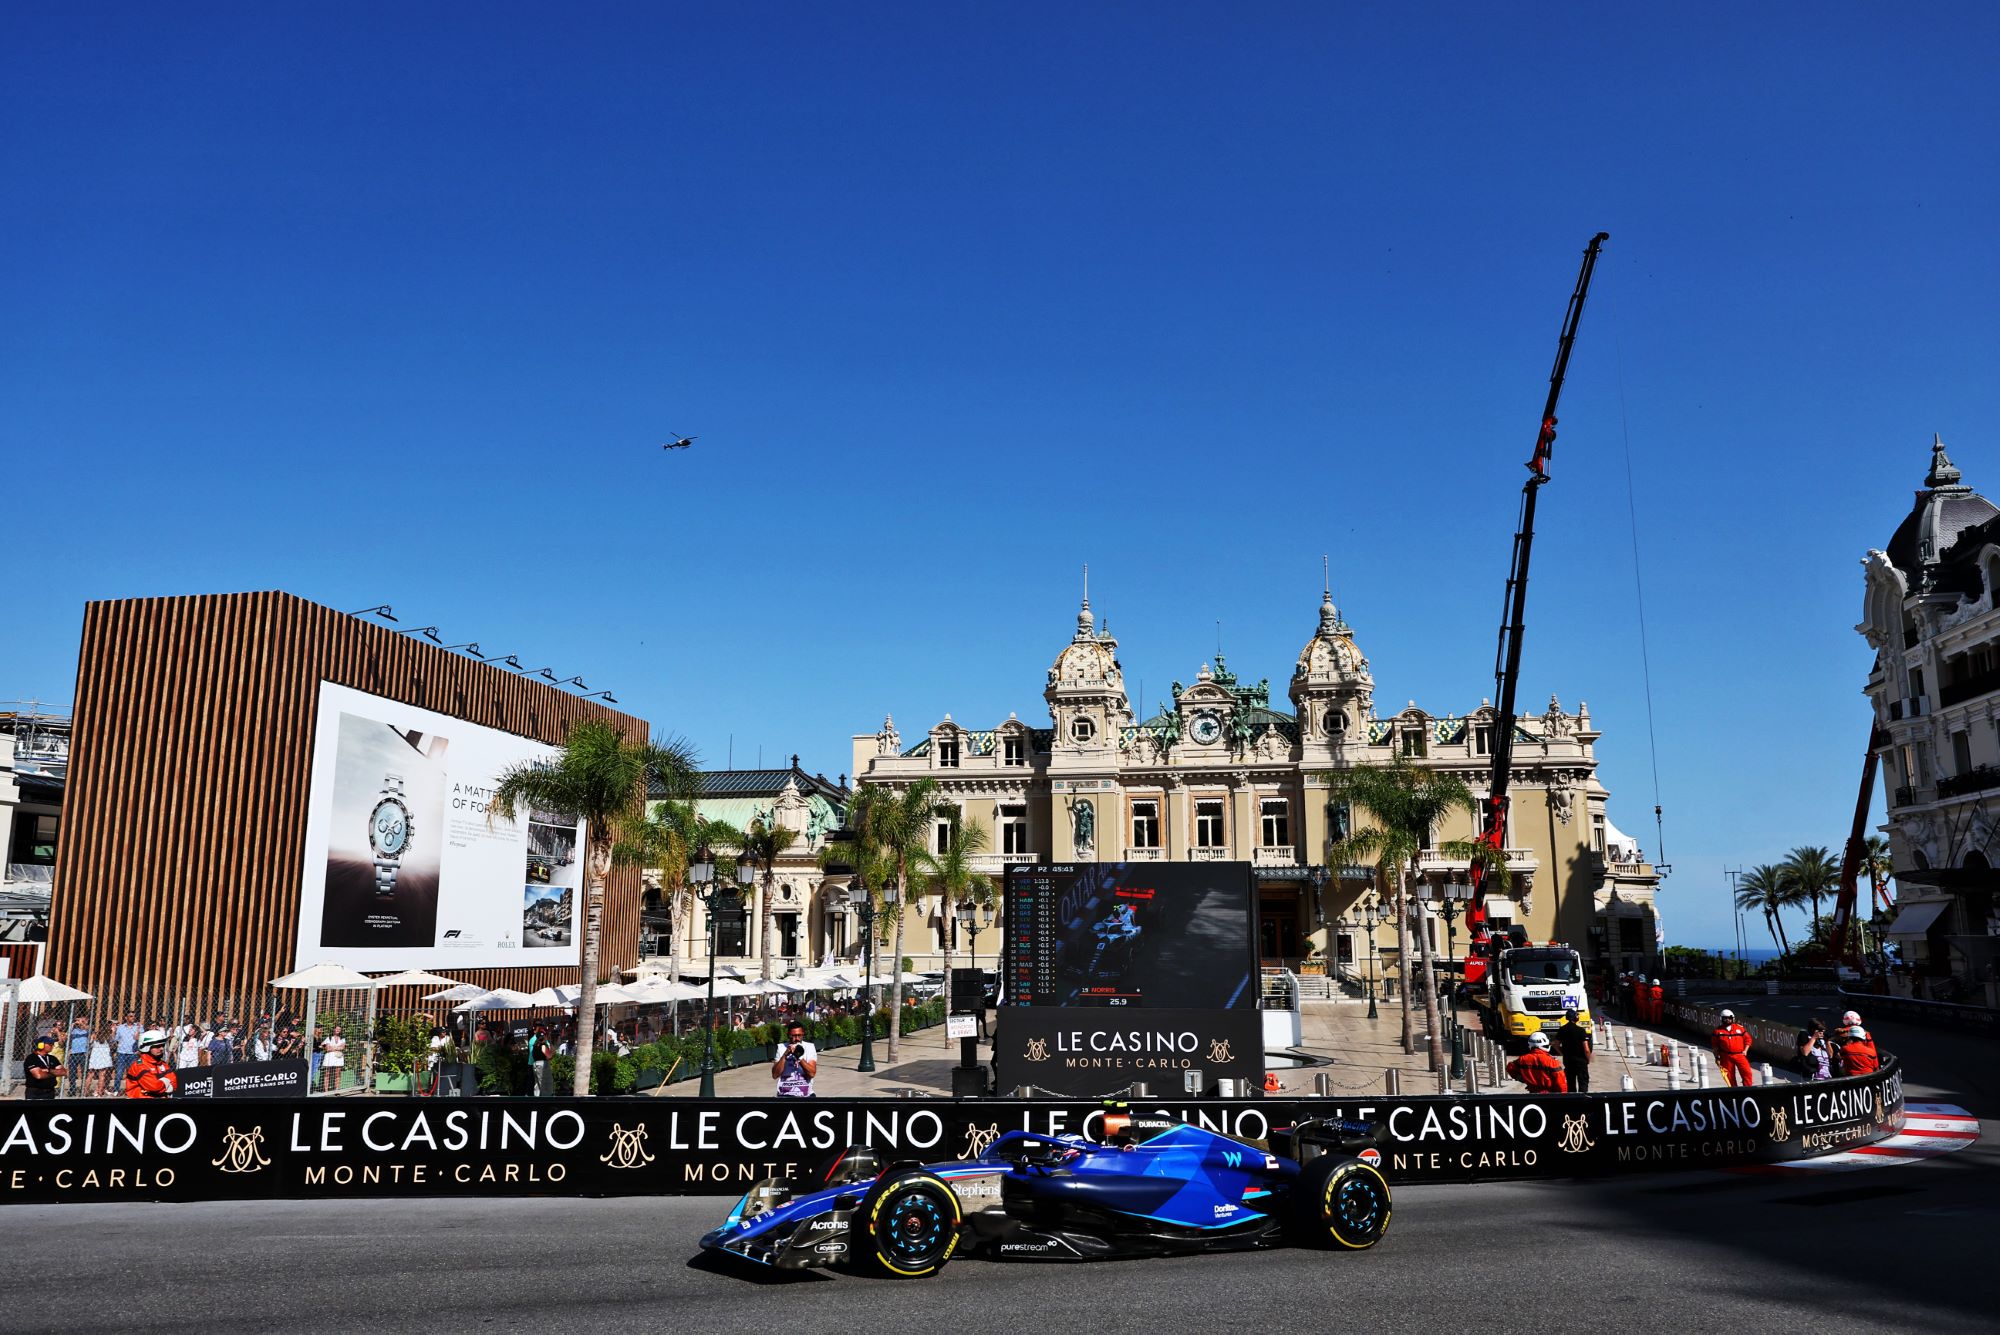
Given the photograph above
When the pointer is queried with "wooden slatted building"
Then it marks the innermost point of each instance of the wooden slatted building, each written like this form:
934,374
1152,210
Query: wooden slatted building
184,819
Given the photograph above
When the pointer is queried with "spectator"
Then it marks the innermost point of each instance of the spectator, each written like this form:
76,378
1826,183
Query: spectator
318,1056
125,1045
796,1065
79,1051
335,1059
218,1046
98,1086
1815,1054
538,1060
263,1047
190,1047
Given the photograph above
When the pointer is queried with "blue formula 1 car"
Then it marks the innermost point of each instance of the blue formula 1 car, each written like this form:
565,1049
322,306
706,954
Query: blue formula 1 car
1150,1186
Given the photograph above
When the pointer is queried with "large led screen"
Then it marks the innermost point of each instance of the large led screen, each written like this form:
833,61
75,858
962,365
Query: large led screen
1131,934
404,868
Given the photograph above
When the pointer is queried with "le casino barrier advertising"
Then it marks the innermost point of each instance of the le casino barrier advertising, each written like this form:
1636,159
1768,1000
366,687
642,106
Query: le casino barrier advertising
332,1148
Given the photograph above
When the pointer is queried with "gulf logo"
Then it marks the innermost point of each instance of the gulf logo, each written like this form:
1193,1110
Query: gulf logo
1371,1156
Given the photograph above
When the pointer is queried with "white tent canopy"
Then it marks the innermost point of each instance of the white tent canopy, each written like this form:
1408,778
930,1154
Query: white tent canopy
458,992
325,976
499,999
417,978
42,990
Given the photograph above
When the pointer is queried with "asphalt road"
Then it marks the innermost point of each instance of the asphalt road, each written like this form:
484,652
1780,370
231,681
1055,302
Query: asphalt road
1903,1248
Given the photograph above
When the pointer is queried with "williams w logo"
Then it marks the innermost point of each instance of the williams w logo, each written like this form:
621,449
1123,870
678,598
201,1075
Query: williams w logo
240,1152
1218,1050
628,1148
1576,1135
1234,1158
1781,1130
978,1139
1038,1050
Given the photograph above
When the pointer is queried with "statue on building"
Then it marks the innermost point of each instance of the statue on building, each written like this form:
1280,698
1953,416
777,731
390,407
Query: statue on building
1083,825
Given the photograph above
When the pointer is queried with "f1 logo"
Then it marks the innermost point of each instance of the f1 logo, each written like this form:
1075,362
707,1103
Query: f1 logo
450,934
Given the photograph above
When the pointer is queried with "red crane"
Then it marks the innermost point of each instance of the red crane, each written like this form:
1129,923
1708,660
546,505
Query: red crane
1507,661
1846,942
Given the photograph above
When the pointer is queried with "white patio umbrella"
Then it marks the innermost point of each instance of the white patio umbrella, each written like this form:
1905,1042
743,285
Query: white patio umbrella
38,990
339,978
562,994
42,990
499,999
457,992
418,978
729,987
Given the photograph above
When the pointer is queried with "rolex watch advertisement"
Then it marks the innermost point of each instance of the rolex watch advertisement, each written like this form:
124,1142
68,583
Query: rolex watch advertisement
404,867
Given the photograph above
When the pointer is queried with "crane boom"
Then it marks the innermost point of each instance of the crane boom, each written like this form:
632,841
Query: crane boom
1507,660
1842,939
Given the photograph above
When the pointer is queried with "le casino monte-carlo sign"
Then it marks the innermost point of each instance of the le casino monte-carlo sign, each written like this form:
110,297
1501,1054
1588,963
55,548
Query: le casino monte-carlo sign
96,1150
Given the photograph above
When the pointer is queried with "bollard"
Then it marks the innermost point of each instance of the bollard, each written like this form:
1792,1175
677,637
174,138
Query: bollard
1764,1069
1674,1076
1472,1077
1628,1043
1392,1082
1323,1085
1625,1084
1700,1069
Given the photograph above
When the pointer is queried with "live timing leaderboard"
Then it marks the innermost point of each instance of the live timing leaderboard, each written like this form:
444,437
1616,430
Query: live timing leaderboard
1162,934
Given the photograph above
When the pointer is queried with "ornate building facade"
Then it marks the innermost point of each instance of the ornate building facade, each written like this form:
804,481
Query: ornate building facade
811,923
1931,613
1221,773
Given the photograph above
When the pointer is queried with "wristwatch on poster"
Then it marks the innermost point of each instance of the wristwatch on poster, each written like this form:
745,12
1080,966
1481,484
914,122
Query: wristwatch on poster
389,834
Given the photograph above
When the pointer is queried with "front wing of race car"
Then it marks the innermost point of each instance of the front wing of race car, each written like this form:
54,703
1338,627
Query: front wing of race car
771,1226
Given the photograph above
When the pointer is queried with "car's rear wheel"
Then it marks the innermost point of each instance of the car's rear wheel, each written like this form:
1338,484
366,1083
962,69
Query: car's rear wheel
910,1221
1341,1202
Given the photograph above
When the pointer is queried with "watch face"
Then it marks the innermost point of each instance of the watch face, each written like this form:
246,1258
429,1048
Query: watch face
389,828
1205,728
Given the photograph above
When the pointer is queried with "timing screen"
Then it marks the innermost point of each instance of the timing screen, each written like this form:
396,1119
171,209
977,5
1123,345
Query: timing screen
1131,934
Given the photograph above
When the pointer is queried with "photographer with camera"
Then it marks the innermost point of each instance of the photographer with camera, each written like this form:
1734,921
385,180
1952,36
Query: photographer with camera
797,1064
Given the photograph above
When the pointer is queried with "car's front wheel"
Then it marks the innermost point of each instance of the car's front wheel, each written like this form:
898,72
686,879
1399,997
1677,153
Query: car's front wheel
1341,1202
910,1221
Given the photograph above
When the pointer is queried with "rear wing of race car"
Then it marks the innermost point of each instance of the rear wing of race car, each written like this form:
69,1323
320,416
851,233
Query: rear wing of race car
1314,1136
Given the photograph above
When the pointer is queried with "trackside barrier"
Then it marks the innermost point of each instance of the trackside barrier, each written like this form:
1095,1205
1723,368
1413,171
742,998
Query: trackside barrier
202,1149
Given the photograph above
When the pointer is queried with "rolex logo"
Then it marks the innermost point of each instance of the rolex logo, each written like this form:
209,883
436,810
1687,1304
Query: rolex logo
1781,1130
628,1148
241,1152
1218,1050
1037,1050
1576,1135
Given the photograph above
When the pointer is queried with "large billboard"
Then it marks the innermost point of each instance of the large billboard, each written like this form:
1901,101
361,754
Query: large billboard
1123,972
403,866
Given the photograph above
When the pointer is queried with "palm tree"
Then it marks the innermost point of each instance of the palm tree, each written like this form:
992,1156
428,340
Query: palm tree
890,832
764,843
1809,873
1762,889
1876,863
1404,804
950,876
667,842
600,778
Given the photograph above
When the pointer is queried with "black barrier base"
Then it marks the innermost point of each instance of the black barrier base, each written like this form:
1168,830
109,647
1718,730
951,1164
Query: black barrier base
107,1149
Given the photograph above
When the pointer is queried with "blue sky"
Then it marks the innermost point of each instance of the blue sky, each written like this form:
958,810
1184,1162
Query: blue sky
395,304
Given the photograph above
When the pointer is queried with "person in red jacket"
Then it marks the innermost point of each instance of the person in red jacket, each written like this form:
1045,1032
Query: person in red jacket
1855,1047
1731,1042
149,1076
1537,1069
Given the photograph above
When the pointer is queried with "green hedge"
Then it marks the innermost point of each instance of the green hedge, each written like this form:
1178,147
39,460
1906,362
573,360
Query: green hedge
505,1070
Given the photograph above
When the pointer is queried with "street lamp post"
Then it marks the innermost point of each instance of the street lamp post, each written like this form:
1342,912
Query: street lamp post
1453,893
1371,918
701,879
967,914
864,908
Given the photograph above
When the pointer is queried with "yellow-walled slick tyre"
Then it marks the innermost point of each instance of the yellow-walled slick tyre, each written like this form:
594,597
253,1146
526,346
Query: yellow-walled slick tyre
908,1225
1340,1202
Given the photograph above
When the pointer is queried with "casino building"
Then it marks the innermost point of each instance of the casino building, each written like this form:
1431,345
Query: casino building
1224,773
